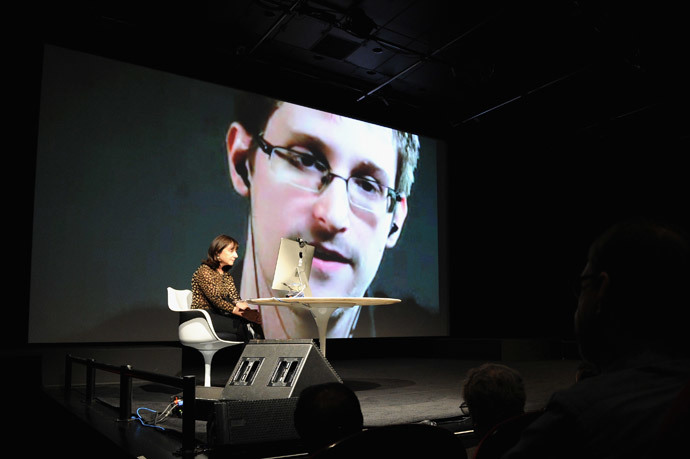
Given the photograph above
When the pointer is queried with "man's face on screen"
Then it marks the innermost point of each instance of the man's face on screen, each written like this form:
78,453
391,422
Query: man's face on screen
349,240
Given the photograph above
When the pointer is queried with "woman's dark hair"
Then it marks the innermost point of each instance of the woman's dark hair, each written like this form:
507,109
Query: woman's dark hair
217,245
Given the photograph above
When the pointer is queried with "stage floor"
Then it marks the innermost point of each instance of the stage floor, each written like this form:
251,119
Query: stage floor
390,390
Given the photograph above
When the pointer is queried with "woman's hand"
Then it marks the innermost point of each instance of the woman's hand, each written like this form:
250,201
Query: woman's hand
242,309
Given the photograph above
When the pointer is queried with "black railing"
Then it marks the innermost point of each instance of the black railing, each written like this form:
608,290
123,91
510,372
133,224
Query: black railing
186,383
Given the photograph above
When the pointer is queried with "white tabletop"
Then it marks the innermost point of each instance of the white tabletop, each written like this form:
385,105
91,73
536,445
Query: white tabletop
324,302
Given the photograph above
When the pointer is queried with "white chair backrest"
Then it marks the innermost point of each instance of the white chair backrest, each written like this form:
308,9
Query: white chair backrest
179,300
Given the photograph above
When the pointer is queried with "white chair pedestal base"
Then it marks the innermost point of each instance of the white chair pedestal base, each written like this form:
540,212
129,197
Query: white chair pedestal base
208,357
208,353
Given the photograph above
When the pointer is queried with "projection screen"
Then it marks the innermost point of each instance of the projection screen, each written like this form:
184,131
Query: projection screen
132,184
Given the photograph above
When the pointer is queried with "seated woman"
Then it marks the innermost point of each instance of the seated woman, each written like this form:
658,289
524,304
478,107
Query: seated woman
213,289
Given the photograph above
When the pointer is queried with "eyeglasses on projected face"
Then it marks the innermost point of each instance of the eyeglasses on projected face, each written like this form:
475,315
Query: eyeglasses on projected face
306,171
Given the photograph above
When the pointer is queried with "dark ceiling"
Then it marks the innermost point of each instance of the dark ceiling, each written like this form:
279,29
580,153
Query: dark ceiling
548,68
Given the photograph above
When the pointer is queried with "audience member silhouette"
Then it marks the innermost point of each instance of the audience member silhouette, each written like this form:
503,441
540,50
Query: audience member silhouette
630,323
326,413
493,393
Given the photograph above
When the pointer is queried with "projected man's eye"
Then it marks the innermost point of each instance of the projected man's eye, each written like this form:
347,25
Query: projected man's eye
306,162
368,186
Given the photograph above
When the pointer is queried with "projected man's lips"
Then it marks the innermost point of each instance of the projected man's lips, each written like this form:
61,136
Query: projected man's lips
328,260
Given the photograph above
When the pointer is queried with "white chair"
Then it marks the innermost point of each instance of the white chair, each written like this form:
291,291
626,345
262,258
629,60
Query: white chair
197,332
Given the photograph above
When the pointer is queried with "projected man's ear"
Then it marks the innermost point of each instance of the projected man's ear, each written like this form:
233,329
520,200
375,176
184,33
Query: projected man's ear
238,143
399,215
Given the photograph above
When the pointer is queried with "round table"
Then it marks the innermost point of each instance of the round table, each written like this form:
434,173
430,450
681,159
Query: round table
322,308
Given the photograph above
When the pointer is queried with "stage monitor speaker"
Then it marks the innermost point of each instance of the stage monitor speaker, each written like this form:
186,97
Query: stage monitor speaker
277,369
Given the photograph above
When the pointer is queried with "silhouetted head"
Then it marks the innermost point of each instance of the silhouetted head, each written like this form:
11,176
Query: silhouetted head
326,413
493,393
635,290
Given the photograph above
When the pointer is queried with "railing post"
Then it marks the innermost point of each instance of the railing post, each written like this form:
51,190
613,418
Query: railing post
68,376
188,413
90,380
125,393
